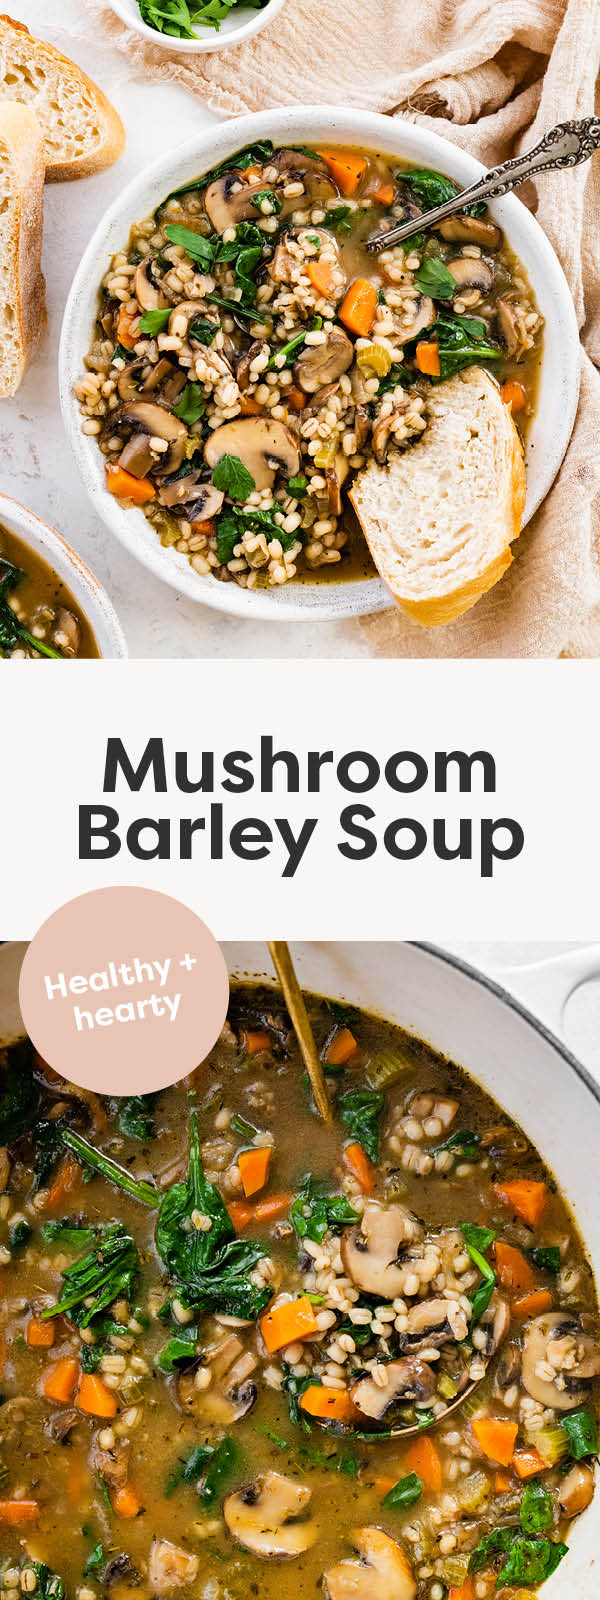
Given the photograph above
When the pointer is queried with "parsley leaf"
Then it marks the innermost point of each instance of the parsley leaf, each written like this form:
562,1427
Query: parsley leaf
192,404
154,321
233,478
434,279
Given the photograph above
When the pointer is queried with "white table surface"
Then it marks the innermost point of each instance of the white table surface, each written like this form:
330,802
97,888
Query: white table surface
502,961
36,465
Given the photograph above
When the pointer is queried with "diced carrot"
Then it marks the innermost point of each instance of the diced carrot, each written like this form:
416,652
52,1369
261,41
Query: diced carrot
240,1213
61,1380
126,328
320,1401
527,1463
287,1323
126,487
340,1048
94,1397
254,1168
384,194
255,1040
422,1458
464,1592
358,307
295,397
532,1305
17,1511
359,1165
428,358
502,1483
514,1271
513,395
249,407
496,1437
321,276
525,1197
125,1502
346,168
207,527
40,1335
251,174
383,1485
67,1179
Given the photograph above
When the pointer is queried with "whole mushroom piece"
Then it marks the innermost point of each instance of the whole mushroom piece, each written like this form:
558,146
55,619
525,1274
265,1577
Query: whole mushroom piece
169,1566
406,1382
268,1516
319,364
371,1252
147,417
383,1571
230,1395
558,1342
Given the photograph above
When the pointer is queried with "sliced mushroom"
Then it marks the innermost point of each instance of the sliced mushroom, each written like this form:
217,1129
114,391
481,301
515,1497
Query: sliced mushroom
119,1567
382,434
153,419
557,1341
169,1566
508,328
203,498
295,166
371,1252
433,1323
268,1516
66,633
230,1395
230,199
335,478
147,291
362,426
424,317
471,272
264,445
383,1572
495,1323
576,1490
242,371
470,230
407,1382
136,457
319,364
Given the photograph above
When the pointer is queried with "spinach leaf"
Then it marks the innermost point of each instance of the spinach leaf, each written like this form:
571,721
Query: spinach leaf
197,246
107,1271
71,1235
314,1211
464,1143
434,279
46,1138
360,1110
19,1235
203,332
397,377
340,219
139,1188
298,486
405,1492
223,1459
233,478
190,1469
136,1115
293,1389
432,189
463,342
12,631
212,1266
192,404
273,199
245,265
546,1256
154,321
531,1561
295,343
252,155
182,1347
19,1095
477,1240
94,1561
50,1585
236,308
581,1429
233,524
495,1543
535,1511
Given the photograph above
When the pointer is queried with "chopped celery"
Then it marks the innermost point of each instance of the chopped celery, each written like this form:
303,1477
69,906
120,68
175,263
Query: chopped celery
375,357
446,1387
474,1491
387,1067
552,1444
455,1569
327,452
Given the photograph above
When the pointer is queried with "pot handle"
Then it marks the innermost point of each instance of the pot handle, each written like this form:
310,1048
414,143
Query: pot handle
545,987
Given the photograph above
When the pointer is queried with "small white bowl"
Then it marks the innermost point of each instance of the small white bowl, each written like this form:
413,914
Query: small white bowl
92,600
549,434
242,23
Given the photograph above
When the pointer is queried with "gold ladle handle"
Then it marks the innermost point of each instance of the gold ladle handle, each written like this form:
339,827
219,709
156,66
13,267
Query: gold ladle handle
284,967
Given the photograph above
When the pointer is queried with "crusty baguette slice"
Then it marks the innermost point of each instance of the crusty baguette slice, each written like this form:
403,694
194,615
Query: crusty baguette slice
440,516
81,129
22,286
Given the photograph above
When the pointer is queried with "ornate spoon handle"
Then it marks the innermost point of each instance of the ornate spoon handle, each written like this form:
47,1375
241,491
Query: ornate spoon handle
564,146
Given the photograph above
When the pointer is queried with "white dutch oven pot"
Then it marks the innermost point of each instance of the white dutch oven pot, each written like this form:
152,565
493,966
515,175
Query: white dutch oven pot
526,1068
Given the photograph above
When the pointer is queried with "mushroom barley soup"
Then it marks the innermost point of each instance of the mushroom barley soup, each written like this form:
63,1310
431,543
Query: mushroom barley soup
219,1309
38,615
250,354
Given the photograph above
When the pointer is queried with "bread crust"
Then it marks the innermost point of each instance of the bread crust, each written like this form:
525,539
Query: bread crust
21,137
435,610
113,140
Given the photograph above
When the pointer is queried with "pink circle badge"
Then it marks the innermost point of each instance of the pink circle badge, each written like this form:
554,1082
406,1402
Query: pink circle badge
124,990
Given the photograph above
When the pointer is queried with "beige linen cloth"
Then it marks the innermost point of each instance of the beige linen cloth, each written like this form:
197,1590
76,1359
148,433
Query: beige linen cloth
492,75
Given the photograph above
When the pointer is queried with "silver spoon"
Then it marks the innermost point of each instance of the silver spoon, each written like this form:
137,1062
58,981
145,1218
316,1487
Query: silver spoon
564,146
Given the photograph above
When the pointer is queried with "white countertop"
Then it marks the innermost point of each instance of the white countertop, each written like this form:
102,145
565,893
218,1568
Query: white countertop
36,465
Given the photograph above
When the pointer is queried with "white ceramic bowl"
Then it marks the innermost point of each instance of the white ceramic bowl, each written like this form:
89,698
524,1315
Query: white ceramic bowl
92,600
559,381
241,24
